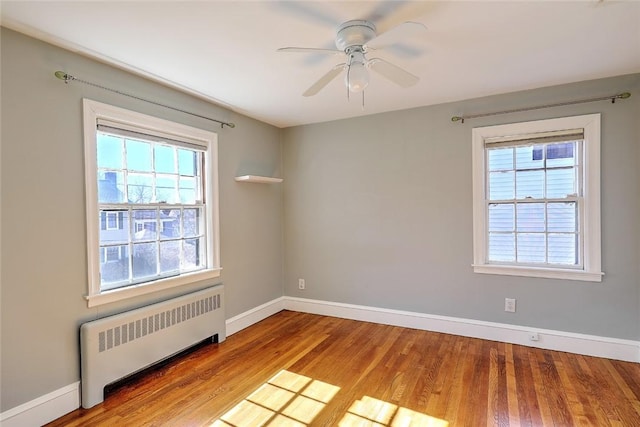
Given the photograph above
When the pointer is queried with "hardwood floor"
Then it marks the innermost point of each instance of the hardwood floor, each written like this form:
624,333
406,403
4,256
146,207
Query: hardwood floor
296,369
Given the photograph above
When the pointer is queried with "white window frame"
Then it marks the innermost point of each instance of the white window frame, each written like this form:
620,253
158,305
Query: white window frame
94,111
589,215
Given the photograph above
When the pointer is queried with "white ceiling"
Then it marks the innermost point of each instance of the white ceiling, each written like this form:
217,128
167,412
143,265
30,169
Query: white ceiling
225,51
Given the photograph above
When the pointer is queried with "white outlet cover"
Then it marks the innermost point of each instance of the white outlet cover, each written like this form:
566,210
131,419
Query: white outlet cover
510,305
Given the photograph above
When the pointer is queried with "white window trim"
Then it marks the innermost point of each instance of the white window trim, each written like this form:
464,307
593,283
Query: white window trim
591,244
93,111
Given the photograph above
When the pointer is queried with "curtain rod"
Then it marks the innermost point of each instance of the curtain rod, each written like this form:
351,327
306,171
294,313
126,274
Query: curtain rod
613,98
68,78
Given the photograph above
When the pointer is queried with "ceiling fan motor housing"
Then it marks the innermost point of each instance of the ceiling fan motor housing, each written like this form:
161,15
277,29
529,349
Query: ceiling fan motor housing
355,33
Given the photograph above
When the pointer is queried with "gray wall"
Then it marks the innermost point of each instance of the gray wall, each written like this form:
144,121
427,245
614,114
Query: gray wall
43,210
378,212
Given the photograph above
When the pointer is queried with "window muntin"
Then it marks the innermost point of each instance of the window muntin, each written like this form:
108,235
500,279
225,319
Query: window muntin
536,198
152,186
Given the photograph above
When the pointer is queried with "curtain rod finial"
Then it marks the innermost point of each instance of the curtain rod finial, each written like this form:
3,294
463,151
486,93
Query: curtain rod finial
457,119
64,76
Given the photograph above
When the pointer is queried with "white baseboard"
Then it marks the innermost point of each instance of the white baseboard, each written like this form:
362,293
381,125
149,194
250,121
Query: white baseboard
590,345
43,409
248,318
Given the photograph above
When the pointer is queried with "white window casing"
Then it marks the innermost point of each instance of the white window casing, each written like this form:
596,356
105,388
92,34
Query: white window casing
588,198
99,114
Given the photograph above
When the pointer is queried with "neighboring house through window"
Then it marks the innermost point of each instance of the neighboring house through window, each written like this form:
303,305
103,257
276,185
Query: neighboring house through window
151,203
536,198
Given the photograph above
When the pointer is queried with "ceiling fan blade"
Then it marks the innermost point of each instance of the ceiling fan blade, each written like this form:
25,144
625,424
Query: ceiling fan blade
308,12
401,50
384,9
324,80
310,50
393,72
405,31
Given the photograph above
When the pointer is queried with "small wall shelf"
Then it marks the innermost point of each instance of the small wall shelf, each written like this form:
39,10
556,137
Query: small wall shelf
258,179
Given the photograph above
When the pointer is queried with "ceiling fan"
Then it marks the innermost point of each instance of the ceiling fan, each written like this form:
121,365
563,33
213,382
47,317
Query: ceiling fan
355,39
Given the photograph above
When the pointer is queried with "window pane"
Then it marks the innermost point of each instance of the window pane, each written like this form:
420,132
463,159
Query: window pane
138,155
114,265
501,217
188,193
187,162
145,224
529,157
110,187
170,223
562,249
562,217
165,158
170,256
500,159
530,217
562,154
193,254
502,247
501,185
560,183
109,151
114,227
191,221
530,184
140,188
166,189
531,247
144,260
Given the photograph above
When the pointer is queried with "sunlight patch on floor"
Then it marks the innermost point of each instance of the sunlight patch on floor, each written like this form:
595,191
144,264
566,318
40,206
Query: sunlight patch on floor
371,412
286,400
293,400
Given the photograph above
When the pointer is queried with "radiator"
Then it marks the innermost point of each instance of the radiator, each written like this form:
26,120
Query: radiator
117,346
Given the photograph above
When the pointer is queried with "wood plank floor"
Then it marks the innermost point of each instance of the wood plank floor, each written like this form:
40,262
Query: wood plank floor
296,369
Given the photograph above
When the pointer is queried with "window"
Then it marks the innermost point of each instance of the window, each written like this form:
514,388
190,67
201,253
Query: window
152,209
536,198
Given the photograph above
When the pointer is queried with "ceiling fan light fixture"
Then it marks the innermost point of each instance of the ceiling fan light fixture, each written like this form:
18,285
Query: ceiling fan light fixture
357,77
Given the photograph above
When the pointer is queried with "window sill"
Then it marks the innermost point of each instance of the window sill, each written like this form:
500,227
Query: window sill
548,273
121,294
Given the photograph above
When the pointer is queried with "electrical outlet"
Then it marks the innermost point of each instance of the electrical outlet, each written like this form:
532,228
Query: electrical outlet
301,284
534,336
510,305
